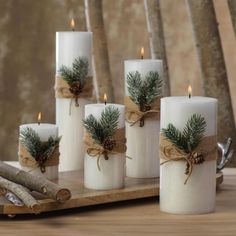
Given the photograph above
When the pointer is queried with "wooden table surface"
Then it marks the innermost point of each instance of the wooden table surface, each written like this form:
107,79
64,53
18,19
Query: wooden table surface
138,217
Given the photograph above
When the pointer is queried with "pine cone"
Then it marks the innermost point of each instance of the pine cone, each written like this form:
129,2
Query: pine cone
109,144
197,158
75,88
145,108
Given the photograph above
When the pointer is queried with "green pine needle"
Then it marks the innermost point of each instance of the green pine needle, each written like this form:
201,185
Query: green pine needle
191,136
38,149
144,92
194,130
105,127
78,72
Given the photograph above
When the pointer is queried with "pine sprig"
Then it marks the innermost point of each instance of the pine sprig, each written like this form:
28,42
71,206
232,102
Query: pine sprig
175,136
191,136
105,127
194,130
78,72
38,149
144,92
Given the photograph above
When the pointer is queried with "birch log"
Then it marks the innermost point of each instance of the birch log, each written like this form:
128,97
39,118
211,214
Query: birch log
102,67
232,9
157,39
36,183
21,193
213,69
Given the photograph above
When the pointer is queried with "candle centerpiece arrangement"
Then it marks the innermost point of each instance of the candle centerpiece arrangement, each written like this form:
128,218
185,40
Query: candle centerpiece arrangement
104,164
39,149
188,152
143,88
73,89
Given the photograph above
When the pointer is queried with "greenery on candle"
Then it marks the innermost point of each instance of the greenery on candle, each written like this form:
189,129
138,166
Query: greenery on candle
103,129
40,151
144,92
191,136
77,74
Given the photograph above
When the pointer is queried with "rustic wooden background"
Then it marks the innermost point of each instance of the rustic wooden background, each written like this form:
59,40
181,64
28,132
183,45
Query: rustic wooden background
27,53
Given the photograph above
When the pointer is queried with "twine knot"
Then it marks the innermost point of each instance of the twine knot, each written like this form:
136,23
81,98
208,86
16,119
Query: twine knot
135,114
76,89
41,161
110,146
98,151
205,151
73,90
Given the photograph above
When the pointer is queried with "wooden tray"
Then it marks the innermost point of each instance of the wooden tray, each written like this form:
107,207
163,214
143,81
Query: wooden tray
134,189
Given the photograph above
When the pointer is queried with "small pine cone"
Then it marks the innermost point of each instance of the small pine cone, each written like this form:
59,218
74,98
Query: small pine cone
197,158
109,144
75,88
146,107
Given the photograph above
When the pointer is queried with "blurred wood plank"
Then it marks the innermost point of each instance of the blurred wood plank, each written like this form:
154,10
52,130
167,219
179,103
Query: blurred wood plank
157,39
27,62
232,9
102,66
212,64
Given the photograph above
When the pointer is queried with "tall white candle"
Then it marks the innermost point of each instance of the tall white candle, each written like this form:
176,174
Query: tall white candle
44,131
69,46
142,142
198,195
112,173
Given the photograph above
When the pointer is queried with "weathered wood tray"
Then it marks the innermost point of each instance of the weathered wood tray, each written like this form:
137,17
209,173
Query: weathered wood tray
134,189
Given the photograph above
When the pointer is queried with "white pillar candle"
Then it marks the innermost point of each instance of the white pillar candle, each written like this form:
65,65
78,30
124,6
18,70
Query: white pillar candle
197,196
112,171
44,131
69,46
143,142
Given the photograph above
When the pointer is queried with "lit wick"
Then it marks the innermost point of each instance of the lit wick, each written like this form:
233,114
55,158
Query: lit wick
39,118
72,24
189,91
142,53
105,98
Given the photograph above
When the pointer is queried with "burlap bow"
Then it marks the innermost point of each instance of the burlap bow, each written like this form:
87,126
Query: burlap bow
95,149
205,151
26,159
73,91
134,115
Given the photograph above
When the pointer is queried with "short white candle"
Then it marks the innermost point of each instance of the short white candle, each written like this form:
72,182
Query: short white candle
142,142
112,173
44,131
69,46
198,195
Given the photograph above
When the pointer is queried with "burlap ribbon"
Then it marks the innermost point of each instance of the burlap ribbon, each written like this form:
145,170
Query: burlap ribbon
134,115
62,88
26,159
95,149
169,152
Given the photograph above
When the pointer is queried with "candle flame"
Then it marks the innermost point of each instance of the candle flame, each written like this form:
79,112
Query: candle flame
105,98
189,91
39,118
72,24
142,52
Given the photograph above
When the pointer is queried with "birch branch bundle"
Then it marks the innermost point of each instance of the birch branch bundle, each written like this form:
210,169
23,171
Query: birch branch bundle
13,179
21,193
